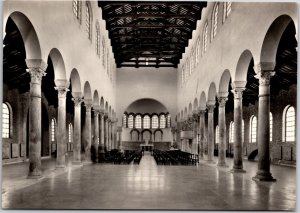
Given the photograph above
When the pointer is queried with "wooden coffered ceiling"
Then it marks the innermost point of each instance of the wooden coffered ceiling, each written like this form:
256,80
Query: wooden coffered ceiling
150,33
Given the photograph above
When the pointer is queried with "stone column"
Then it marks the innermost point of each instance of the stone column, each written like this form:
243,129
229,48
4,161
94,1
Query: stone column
238,135
88,130
101,114
77,129
222,130
96,135
264,72
112,134
210,155
120,139
36,69
105,132
202,133
109,134
62,89
195,136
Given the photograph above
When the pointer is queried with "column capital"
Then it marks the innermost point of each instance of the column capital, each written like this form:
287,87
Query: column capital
210,106
36,69
195,115
77,101
88,107
238,92
101,112
264,77
62,91
88,104
96,112
222,101
202,112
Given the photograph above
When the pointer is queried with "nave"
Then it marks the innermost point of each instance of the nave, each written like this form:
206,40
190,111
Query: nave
148,186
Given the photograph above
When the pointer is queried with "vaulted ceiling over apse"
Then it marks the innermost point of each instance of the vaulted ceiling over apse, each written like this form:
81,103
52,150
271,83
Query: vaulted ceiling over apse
150,33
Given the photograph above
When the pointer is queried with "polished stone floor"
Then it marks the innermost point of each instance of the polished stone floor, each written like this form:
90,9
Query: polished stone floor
147,186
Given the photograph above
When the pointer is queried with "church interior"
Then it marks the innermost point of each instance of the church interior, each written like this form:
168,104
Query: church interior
149,105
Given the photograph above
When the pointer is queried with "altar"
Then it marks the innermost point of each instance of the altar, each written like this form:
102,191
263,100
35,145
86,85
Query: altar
147,146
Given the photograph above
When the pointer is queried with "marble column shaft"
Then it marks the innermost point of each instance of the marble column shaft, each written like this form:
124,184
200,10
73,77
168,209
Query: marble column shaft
61,124
35,120
222,131
102,132
263,136
96,130
238,130
210,155
88,131
195,121
202,133
77,130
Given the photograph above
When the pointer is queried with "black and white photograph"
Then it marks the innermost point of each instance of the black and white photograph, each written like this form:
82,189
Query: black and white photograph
149,105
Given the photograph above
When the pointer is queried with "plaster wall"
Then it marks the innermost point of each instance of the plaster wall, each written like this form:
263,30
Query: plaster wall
137,83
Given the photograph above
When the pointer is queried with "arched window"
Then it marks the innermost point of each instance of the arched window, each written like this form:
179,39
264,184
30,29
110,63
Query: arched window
226,9
168,120
154,121
70,133
162,121
289,124
271,127
217,134
231,132
198,50
76,8
253,129
130,121
215,20
138,121
187,70
182,74
103,52
53,130
97,39
204,41
124,120
88,20
6,118
146,122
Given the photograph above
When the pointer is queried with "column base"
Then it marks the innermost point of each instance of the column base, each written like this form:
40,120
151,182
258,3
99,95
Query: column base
222,164
77,163
210,161
237,170
263,176
61,166
35,175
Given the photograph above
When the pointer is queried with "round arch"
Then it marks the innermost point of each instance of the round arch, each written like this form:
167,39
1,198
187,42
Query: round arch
29,35
102,107
87,92
75,82
272,38
202,104
224,82
58,64
96,99
242,66
212,92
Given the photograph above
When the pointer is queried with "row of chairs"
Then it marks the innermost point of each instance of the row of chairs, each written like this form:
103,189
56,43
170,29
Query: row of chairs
174,157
